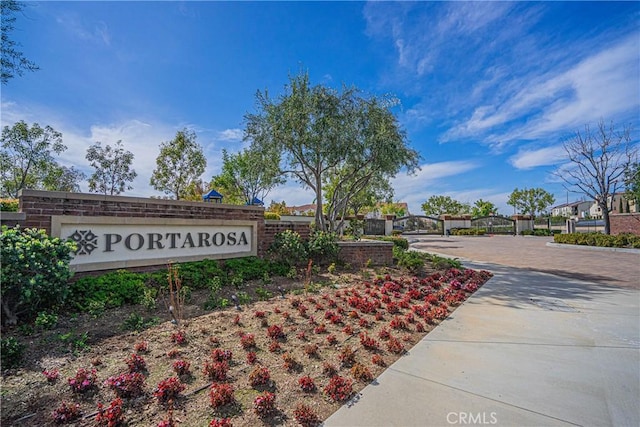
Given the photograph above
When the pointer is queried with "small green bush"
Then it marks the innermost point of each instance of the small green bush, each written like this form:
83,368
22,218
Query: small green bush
9,205
288,248
197,274
34,273
11,352
111,290
322,247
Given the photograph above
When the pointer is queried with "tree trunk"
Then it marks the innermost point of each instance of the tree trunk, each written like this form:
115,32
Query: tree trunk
10,315
605,217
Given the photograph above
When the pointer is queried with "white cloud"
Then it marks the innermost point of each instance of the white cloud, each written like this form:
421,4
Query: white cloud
230,135
97,32
142,138
292,193
527,159
598,86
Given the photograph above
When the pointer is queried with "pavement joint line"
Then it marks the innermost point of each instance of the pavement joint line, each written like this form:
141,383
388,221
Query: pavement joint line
534,344
481,396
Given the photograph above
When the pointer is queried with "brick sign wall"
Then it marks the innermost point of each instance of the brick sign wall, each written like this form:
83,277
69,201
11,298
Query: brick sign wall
143,228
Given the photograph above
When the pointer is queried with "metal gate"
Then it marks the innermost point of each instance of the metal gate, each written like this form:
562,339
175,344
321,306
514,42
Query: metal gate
494,224
374,227
418,224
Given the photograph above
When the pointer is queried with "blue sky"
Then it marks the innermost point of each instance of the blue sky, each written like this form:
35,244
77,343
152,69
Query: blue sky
488,90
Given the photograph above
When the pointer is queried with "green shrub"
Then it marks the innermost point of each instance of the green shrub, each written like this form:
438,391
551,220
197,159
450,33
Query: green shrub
439,262
11,352
197,274
249,268
110,290
272,215
9,205
288,248
411,260
46,320
34,273
624,240
322,247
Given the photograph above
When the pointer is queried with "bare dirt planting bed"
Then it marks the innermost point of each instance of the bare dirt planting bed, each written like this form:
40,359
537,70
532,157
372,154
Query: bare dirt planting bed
358,325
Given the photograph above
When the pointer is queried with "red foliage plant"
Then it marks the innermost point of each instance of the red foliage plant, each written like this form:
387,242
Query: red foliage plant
329,369
112,416
252,358
331,339
247,341
368,342
179,337
182,367
264,404
307,384
259,376
290,363
394,345
220,422
216,371
141,347
127,385
320,329
83,381
168,390
219,355
347,356
361,373
275,332
274,346
339,389
311,349
376,359
51,376
136,363
305,416
66,412
221,394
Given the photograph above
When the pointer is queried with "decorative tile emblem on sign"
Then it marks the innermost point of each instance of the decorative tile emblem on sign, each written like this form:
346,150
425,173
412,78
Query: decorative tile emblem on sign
86,240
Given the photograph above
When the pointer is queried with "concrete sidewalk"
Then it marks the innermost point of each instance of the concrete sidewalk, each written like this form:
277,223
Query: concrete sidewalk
527,349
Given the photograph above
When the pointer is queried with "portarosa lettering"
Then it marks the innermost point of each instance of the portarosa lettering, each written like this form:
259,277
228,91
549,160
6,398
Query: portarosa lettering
151,241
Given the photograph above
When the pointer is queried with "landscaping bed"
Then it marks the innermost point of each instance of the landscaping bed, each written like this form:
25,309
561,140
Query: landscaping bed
314,348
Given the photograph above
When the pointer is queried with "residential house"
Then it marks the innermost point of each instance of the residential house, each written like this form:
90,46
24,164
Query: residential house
574,210
618,203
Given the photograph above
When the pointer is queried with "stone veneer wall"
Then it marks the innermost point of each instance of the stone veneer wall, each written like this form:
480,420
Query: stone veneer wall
625,223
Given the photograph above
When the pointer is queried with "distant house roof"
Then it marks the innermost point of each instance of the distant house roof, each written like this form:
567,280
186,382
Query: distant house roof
302,208
570,204
212,195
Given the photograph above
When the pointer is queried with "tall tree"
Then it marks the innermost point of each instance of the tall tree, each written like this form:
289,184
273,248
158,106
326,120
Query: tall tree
440,205
366,200
179,163
252,173
322,132
598,161
112,169
483,208
27,156
62,178
13,61
632,184
530,201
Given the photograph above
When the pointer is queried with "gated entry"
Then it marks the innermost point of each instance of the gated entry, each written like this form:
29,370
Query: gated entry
374,227
418,224
495,224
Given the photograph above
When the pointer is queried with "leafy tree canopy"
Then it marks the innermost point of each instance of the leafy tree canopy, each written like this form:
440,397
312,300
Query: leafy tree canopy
180,163
440,205
632,183
530,201
249,174
13,61
325,135
27,160
483,208
112,169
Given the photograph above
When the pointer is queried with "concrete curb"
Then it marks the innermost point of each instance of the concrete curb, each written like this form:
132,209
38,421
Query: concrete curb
593,248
